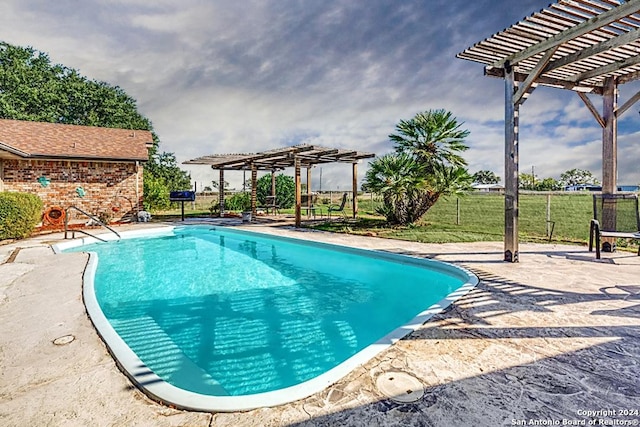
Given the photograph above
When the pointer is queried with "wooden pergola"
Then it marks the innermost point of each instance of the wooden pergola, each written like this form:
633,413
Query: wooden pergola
297,157
587,46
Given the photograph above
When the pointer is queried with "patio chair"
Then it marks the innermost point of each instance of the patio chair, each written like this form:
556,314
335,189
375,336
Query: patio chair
272,205
621,220
340,207
308,204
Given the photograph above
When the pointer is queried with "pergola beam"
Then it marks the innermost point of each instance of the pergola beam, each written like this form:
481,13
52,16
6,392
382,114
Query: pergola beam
578,30
545,81
621,110
533,76
592,108
613,43
614,66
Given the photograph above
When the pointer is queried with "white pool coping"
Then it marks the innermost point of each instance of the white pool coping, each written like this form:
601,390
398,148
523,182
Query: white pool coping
160,390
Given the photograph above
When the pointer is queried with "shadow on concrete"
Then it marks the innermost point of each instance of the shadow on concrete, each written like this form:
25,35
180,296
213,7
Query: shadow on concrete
597,372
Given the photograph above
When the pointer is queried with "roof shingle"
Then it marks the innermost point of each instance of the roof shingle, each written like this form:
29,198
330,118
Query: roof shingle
53,140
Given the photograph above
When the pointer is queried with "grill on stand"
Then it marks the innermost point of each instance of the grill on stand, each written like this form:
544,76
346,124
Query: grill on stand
182,196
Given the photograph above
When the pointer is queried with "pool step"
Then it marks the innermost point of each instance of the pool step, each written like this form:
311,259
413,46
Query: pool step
168,360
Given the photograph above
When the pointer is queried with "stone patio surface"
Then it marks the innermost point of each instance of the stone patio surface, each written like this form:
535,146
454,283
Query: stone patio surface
552,340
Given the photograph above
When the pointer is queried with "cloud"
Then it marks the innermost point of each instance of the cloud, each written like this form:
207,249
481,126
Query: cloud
220,76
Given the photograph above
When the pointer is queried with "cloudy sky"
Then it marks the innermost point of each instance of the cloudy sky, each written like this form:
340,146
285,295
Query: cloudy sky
219,76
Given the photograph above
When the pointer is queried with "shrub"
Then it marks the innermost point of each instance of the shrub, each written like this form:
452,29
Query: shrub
285,190
156,193
238,202
19,214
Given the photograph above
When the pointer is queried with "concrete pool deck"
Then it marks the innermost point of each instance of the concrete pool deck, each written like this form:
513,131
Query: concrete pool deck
549,338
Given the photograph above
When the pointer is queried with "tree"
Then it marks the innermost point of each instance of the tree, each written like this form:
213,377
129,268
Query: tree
547,184
425,166
285,190
216,184
578,176
31,88
433,137
161,176
485,177
527,181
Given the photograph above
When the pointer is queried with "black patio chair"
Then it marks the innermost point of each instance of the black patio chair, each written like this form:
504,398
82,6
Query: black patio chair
340,207
621,220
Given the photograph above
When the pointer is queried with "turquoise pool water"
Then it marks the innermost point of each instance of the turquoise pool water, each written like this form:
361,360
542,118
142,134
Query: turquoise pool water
253,314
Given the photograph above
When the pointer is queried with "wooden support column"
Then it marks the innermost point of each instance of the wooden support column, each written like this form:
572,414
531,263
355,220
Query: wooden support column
511,141
609,137
309,191
296,162
221,192
254,194
273,182
354,185
609,159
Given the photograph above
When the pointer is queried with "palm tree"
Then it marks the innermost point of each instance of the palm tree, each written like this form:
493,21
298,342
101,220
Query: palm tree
399,179
425,166
433,136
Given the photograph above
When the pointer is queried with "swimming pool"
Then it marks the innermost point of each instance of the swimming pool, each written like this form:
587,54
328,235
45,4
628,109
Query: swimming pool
215,319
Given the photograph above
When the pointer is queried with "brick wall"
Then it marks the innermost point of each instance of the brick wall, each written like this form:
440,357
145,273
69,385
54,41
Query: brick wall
109,188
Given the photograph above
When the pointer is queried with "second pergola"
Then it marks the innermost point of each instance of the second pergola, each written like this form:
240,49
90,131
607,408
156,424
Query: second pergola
296,157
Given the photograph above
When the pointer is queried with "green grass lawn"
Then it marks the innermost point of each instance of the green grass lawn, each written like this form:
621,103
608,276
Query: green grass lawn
480,217
476,217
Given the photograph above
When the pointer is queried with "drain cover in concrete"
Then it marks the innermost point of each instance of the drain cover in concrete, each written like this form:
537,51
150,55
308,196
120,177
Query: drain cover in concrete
64,340
400,387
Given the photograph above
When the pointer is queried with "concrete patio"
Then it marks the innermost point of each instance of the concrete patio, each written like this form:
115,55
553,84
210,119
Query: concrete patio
552,339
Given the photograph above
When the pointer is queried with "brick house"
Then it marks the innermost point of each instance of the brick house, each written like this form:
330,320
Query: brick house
99,170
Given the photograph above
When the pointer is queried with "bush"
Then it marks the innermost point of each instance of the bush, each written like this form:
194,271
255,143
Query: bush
19,214
285,190
156,193
238,202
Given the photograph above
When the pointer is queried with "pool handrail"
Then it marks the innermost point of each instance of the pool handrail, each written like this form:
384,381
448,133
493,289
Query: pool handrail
92,217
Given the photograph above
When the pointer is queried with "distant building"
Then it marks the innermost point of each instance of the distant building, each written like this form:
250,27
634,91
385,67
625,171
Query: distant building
591,187
583,187
491,188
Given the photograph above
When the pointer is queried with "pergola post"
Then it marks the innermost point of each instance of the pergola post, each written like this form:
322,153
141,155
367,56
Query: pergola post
354,184
609,136
273,182
254,190
308,191
511,141
609,159
296,165
221,192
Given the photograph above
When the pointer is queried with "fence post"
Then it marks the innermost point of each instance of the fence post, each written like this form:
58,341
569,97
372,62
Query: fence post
548,215
457,210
